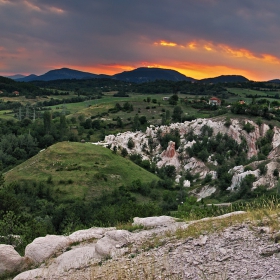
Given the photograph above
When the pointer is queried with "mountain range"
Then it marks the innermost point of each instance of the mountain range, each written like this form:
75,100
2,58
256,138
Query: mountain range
138,75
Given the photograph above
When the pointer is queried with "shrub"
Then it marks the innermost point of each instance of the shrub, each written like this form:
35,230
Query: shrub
276,173
263,168
130,143
124,152
227,122
248,127
248,168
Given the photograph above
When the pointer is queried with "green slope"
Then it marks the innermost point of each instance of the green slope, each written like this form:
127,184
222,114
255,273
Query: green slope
79,170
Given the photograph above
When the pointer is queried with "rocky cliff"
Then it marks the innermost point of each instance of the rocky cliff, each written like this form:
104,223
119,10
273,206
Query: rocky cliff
147,144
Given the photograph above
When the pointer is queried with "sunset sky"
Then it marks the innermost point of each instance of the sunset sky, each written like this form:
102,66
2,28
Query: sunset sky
199,38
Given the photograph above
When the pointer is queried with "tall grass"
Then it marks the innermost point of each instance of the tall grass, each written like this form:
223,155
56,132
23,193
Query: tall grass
196,211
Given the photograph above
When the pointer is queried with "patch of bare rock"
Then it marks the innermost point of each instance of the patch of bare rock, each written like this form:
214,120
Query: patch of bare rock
179,158
238,252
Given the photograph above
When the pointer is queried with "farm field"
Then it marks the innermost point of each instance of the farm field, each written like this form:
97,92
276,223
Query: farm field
242,92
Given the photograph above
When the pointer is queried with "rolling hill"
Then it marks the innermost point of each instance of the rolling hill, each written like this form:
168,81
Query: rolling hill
144,74
58,74
79,170
275,81
138,75
225,79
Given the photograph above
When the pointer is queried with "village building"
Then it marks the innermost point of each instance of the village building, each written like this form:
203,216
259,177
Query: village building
215,101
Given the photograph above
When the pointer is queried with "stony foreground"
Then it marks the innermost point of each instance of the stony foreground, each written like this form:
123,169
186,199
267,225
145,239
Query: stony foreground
236,253
160,251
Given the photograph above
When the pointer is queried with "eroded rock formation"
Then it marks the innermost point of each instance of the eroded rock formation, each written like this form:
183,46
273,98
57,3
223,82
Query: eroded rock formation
238,250
178,156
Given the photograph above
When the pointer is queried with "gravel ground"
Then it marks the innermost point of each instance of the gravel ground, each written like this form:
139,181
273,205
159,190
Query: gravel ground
239,252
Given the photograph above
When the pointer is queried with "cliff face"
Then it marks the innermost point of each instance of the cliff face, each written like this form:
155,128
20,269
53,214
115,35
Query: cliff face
179,157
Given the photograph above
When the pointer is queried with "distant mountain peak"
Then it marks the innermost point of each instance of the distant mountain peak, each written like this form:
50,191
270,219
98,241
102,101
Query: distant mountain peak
16,76
148,74
59,74
138,75
225,79
276,81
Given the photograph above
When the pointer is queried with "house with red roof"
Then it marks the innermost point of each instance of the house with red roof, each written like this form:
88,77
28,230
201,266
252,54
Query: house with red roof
215,101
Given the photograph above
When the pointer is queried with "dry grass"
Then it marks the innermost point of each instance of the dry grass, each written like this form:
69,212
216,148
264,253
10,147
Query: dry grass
145,264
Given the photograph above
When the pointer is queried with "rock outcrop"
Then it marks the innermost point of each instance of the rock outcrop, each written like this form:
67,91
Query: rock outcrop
10,260
59,260
238,250
154,221
112,242
44,247
179,157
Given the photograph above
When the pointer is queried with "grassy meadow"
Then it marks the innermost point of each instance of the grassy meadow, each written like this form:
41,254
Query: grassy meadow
79,170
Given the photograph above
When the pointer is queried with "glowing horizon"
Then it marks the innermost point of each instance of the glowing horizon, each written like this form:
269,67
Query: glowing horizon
197,72
103,37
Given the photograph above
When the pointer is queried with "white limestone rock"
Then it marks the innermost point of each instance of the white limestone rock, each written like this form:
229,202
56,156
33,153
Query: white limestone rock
186,184
43,248
37,273
196,166
213,174
113,241
205,192
154,221
177,179
268,179
86,234
10,260
76,258
238,177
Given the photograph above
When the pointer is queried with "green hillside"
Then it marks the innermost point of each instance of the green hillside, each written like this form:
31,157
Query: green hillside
79,170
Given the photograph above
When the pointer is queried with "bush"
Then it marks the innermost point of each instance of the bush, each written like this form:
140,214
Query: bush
276,173
248,127
130,143
263,168
124,152
227,122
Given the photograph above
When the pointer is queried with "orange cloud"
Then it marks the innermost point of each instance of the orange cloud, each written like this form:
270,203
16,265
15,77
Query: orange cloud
192,45
166,44
32,6
226,50
198,59
200,71
208,48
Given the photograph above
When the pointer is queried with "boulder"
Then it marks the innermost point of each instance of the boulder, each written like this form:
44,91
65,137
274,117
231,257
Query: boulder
43,248
38,273
76,258
10,260
112,242
154,221
186,184
86,234
204,192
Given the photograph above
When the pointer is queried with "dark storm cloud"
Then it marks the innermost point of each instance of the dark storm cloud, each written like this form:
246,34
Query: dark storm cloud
106,31
242,23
